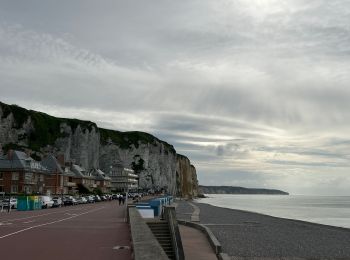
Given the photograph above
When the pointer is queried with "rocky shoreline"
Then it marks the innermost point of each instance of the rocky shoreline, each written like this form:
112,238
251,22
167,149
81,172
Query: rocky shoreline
247,235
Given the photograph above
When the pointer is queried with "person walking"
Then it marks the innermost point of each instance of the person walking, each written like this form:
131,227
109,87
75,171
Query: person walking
120,198
9,206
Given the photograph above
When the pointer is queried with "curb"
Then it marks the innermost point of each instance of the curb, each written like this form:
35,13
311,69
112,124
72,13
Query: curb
214,243
224,256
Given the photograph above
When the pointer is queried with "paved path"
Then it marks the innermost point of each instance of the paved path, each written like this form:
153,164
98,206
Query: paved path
184,210
195,244
195,213
86,232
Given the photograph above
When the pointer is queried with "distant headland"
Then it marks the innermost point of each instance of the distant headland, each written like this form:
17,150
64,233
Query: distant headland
238,190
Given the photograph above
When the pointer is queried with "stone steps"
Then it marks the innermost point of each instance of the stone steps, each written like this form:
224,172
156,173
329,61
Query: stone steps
160,230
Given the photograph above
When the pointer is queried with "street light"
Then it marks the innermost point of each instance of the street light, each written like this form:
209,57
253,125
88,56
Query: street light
2,201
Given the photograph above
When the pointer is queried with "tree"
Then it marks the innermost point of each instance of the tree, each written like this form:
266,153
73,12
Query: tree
138,166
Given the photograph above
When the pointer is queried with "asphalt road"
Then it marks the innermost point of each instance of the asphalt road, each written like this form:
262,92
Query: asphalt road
89,232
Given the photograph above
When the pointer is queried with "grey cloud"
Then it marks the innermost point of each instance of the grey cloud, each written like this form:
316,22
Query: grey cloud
319,152
234,178
220,150
309,164
252,87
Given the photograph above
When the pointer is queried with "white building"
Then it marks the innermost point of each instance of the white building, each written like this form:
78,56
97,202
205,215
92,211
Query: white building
123,179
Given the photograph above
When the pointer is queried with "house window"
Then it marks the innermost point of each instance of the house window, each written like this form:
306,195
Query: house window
15,176
27,189
28,176
14,188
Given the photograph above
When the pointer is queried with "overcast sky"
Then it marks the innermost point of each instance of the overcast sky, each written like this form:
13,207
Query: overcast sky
256,93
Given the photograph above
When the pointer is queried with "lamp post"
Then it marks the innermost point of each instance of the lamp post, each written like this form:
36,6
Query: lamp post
126,195
2,201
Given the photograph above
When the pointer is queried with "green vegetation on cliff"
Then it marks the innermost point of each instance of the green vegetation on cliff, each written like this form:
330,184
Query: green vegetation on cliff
126,139
47,130
20,114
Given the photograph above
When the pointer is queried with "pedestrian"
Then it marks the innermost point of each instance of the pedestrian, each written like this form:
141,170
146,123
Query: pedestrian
120,198
123,199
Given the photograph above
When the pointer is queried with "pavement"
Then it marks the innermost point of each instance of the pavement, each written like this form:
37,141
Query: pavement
184,210
89,232
195,244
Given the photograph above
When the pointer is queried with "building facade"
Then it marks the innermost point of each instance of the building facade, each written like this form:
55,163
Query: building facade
21,174
123,179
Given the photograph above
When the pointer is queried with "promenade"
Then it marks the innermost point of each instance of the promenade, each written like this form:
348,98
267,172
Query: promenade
89,232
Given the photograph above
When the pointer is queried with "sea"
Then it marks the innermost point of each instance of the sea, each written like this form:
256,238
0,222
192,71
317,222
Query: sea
328,210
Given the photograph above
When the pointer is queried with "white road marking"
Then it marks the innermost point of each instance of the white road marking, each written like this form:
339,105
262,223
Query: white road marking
5,223
121,247
70,214
29,222
36,216
49,223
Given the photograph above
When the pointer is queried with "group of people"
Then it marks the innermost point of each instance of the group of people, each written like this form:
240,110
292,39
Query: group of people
121,199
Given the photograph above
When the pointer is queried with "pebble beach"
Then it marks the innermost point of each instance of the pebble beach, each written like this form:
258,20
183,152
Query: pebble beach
247,235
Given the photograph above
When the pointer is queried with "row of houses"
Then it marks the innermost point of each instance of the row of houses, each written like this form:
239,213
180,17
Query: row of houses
21,174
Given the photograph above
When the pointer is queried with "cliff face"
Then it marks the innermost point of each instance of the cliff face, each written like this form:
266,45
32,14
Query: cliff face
186,177
8,131
80,145
156,162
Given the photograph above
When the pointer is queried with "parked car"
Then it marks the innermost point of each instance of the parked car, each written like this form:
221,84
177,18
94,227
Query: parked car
6,202
57,202
97,198
91,199
81,200
46,202
69,201
75,202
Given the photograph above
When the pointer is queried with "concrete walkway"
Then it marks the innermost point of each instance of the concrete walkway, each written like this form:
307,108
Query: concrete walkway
90,232
195,213
195,244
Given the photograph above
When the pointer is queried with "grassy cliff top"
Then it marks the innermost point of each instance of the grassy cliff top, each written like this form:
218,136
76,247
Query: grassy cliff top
126,139
181,156
47,129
